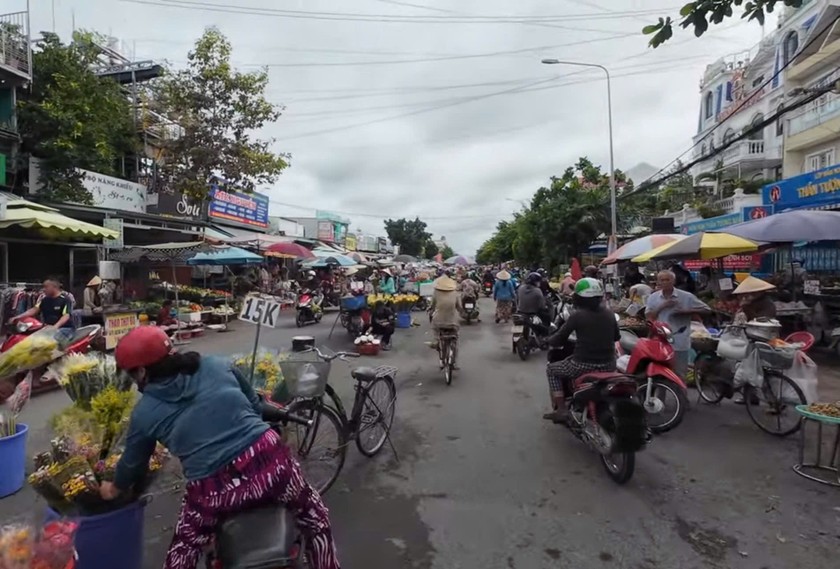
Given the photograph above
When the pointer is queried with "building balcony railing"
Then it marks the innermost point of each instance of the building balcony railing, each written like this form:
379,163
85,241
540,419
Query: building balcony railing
728,205
820,111
744,150
14,44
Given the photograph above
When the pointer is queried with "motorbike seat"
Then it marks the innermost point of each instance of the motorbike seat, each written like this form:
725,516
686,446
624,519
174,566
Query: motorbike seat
364,374
83,332
601,377
259,537
628,341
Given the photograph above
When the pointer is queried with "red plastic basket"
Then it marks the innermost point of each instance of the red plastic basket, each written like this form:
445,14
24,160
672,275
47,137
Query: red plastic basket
368,349
802,337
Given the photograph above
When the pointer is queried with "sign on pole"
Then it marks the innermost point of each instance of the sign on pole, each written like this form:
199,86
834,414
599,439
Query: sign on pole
260,311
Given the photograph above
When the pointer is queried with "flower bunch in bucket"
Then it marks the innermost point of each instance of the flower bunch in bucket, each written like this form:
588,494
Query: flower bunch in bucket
267,372
27,547
374,299
405,302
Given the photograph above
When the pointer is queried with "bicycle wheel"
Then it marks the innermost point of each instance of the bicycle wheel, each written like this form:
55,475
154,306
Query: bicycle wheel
708,385
775,403
321,448
336,403
380,401
447,363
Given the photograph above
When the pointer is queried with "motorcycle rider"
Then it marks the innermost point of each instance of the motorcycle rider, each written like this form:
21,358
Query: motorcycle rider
530,299
596,330
208,416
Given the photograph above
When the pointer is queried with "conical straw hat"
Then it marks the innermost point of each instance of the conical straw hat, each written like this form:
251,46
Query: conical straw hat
752,284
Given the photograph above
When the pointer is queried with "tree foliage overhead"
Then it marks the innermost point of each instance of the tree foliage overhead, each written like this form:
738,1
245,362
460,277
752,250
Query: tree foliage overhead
447,252
560,222
430,249
218,109
411,236
700,14
71,118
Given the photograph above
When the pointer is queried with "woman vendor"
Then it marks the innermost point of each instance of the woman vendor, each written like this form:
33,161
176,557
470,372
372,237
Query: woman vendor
753,295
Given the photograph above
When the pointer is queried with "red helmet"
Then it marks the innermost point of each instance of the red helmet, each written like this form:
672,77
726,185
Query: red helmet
142,347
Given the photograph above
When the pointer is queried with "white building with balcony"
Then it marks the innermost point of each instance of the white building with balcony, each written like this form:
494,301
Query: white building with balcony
734,97
812,133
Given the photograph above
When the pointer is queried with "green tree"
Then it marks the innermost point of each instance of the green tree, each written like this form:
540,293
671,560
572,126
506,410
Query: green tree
411,236
446,252
71,118
700,13
430,249
218,109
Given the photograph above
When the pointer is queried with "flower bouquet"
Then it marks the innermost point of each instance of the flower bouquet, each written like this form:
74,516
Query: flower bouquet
31,352
379,298
25,547
405,302
267,372
84,376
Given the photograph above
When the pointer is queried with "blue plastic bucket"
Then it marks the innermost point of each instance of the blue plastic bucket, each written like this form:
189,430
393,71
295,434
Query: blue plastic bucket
403,319
13,461
112,540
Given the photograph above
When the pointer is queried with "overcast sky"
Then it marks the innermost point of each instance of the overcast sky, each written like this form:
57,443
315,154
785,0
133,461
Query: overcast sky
451,138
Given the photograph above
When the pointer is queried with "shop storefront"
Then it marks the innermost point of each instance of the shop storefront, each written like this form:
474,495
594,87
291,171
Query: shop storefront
815,190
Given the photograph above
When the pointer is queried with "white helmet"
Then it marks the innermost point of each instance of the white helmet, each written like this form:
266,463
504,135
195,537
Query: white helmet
589,288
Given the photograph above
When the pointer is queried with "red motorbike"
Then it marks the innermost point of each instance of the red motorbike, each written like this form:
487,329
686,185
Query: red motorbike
80,343
662,391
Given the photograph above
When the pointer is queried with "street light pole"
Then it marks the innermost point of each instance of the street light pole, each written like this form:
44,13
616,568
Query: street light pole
613,209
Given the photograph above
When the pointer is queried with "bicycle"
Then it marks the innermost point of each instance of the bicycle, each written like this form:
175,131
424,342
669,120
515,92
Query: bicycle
777,391
368,424
447,345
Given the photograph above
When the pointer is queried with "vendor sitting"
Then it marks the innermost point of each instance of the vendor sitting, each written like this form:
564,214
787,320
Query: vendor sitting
755,300
164,317
382,323
92,302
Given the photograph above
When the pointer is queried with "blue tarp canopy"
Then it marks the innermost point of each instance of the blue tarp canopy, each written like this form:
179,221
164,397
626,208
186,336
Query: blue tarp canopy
226,256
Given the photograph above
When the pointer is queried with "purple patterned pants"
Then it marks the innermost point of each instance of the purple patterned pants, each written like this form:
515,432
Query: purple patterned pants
265,471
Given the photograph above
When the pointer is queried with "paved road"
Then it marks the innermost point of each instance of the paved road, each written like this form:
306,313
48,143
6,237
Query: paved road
482,481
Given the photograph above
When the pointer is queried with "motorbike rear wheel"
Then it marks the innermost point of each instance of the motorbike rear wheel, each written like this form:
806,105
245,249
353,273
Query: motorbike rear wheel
522,348
619,466
658,420
300,319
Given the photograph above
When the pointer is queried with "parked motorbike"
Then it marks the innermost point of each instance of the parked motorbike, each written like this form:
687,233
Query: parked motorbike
470,309
651,363
264,536
529,334
355,321
487,287
309,307
80,343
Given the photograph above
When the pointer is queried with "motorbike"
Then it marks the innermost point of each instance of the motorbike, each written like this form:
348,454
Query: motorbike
355,321
264,536
80,343
487,287
651,363
470,309
308,307
529,334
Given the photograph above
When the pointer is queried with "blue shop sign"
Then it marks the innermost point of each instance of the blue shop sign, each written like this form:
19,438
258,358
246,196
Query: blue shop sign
239,207
711,224
815,189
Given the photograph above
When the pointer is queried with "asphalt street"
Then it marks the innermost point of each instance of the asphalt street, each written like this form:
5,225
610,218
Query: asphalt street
481,481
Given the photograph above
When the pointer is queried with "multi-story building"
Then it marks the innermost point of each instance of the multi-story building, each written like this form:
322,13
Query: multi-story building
812,133
15,72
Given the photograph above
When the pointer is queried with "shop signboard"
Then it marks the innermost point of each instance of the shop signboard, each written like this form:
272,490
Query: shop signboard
113,193
756,212
238,207
115,224
350,242
815,189
730,263
118,325
176,204
325,231
711,224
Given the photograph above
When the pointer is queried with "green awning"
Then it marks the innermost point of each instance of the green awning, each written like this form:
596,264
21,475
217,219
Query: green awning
51,223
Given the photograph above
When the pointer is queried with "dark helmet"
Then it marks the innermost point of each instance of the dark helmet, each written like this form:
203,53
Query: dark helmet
590,271
533,278
541,272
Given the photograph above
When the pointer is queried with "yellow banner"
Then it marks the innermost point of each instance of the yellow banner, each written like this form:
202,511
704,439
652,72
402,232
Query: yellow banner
118,325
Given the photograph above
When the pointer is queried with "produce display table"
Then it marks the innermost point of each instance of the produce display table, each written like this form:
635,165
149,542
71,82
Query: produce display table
823,469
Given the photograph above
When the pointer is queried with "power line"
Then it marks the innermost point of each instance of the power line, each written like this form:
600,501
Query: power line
733,113
421,7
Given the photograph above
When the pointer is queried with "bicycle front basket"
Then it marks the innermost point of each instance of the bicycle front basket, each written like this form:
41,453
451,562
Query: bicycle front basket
304,376
776,358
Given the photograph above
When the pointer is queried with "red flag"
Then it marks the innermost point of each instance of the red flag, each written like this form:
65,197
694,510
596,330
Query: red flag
575,270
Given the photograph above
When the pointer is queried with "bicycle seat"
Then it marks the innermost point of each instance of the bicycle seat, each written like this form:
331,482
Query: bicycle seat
260,537
364,374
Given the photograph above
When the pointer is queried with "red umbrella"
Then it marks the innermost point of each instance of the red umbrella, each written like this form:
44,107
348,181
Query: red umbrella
575,270
289,250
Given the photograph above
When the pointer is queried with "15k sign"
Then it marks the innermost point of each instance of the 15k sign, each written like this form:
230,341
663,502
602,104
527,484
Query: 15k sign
260,311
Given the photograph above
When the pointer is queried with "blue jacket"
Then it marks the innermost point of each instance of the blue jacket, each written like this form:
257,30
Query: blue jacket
206,419
503,290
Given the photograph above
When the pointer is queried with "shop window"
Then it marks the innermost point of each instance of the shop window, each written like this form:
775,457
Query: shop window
790,46
819,160
709,105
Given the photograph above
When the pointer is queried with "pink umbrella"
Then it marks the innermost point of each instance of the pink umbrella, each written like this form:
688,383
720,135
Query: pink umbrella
641,245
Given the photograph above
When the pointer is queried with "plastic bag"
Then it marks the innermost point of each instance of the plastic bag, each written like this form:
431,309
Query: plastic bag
804,373
733,344
749,371
621,363
788,395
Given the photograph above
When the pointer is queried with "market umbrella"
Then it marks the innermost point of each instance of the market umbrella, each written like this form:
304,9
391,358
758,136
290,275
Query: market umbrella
641,245
791,227
405,259
288,250
358,257
340,260
458,260
703,245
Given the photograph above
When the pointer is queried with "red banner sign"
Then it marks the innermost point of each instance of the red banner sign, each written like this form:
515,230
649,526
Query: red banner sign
730,263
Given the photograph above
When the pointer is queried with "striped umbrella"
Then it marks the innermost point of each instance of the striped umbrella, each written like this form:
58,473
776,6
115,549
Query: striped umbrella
641,245
701,245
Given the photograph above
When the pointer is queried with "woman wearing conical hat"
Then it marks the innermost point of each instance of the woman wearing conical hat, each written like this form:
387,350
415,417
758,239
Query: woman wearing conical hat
754,297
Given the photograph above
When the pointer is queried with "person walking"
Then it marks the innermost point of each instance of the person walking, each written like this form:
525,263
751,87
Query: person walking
676,308
504,294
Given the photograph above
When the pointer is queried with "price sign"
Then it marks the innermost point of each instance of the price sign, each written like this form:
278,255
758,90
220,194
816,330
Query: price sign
261,311
725,284
117,326
811,287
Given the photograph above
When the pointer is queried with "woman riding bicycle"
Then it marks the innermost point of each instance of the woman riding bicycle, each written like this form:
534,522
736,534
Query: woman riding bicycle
208,416
446,308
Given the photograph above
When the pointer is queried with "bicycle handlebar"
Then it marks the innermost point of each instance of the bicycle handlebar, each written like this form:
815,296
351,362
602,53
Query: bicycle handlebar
329,358
272,414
